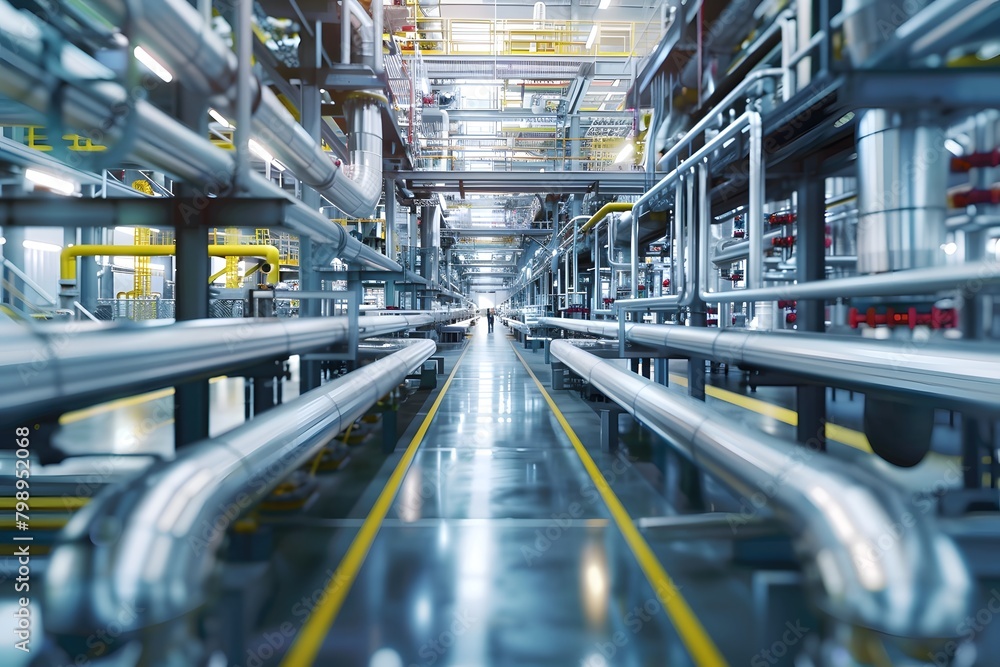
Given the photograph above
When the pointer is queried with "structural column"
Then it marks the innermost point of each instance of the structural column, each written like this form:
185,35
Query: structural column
191,399
810,400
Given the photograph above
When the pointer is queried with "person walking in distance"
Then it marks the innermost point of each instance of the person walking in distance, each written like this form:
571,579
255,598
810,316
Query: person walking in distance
489,320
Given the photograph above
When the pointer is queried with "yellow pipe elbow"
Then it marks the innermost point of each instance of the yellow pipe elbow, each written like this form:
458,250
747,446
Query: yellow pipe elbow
607,209
68,256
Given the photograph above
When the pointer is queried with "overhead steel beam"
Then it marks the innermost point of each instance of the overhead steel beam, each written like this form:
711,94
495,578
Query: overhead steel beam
495,232
564,182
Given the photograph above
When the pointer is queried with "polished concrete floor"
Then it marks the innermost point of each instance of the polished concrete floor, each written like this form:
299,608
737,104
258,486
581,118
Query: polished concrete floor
498,549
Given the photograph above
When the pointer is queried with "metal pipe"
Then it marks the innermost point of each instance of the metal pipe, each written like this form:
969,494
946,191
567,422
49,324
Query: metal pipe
176,34
839,515
708,119
158,140
244,54
68,255
172,518
603,212
729,132
755,214
41,373
345,32
956,373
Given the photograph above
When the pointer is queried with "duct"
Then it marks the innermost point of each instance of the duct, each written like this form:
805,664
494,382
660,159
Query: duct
41,372
902,197
951,374
176,34
838,514
168,518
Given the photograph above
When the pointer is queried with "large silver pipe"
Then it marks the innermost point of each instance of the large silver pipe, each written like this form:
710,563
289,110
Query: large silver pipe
66,367
901,283
176,34
902,192
171,519
91,100
839,515
949,374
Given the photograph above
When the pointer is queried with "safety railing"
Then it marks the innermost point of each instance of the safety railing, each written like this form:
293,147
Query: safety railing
527,37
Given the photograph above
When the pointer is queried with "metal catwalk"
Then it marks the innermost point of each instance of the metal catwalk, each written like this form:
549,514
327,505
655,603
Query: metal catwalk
500,545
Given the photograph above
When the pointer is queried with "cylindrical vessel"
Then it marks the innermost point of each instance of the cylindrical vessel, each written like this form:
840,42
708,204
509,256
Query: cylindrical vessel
902,195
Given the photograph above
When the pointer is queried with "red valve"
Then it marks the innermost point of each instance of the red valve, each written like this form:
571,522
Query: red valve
666,282
976,161
790,318
783,242
787,304
827,242
739,233
782,218
938,318
970,197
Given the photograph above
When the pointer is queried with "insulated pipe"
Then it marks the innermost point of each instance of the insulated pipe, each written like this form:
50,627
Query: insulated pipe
307,221
951,374
61,368
67,258
158,139
171,519
175,33
839,515
755,214
91,101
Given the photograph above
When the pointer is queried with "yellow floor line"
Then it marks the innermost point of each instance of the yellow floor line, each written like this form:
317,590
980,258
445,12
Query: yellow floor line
47,503
699,645
79,415
841,434
308,642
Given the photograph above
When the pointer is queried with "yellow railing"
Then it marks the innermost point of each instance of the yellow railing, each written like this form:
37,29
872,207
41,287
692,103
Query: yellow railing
527,37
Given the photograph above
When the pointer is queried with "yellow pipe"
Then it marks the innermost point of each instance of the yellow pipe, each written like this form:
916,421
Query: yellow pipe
614,207
67,258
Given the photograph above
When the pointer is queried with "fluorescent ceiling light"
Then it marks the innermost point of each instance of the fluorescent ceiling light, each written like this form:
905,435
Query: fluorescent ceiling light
592,37
143,56
626,151
220,119
44,247
58,185
604,4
